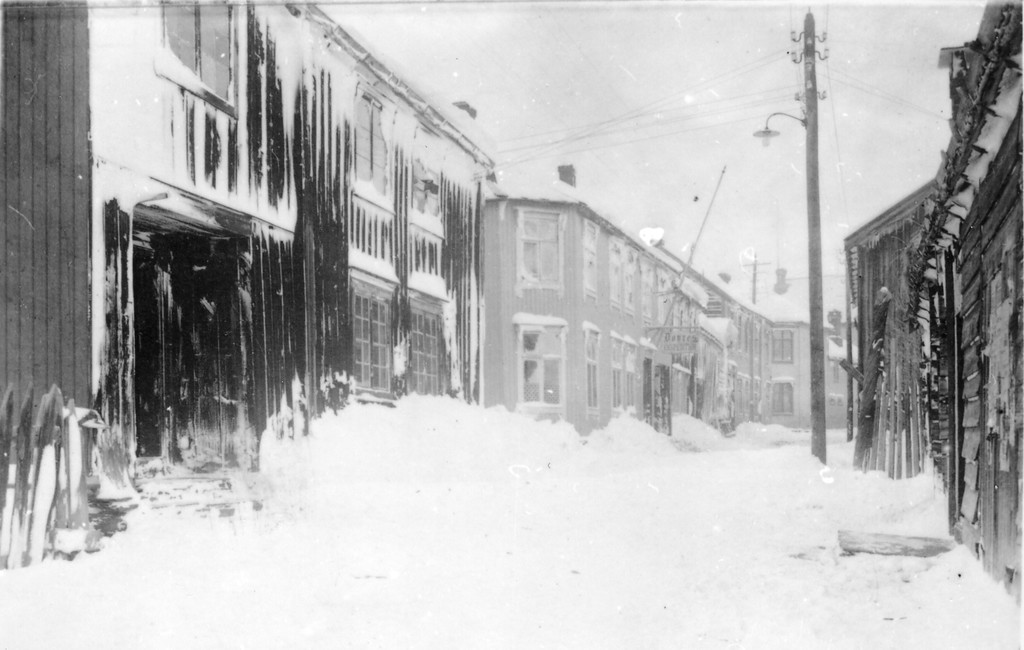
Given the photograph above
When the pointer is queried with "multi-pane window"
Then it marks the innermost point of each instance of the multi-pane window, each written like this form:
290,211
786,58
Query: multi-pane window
615,272
200,36
590,259
630,382
424,375
617,363
540,249
629,281
371,341
647,289
540,359
782,346
782,398
592,344
371,152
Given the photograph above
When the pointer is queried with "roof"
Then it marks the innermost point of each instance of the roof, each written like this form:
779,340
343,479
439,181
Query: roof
450,121
892,217
548,189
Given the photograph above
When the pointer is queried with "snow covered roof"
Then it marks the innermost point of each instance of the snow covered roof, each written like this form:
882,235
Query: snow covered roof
523,318
721,328
532,186
447,119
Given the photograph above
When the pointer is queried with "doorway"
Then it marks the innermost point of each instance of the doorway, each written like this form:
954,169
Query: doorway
190,375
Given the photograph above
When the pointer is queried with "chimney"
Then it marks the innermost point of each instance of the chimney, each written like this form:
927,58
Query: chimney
567,174
781,286
726,278
466,107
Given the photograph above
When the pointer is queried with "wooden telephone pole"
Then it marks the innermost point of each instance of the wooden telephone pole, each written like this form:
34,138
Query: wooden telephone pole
814,245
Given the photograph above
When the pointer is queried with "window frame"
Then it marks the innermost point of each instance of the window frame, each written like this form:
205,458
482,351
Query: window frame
617,367
781,397
376,349
783,338
558,331
375,132
421,353
193,71
524,280
616,248
591,234
592,356
629,268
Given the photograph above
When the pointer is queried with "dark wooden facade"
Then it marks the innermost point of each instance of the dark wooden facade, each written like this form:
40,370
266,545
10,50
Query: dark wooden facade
204,242
44,194
967,273
878,256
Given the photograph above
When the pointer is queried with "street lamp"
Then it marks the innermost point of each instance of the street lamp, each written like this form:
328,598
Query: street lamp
810,123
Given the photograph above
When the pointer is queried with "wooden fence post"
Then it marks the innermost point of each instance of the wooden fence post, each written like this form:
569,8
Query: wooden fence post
866,421
45,474
7,414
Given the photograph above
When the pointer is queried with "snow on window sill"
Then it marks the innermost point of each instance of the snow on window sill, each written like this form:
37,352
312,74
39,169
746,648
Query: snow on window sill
428,222
168,66
367,191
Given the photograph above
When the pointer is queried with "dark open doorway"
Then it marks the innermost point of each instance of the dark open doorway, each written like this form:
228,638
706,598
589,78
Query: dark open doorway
190,365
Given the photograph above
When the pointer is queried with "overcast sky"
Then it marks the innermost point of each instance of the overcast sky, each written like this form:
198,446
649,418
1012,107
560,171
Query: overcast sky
651,101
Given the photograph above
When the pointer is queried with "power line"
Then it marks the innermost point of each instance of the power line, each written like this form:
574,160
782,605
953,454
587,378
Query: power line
550,151
765,98
863,86
540,156
742,69
835,133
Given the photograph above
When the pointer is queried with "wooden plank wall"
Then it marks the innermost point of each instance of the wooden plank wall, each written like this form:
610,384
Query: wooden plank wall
45,334
989,265
900,438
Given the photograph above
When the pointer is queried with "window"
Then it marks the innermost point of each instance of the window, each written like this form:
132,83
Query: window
424,376
664,296
200,36
630,357
371,341
629,281
615,272
540,359
782,346
617,386
647,289
782,399
425,190
592,343
590,259
540,249
371,152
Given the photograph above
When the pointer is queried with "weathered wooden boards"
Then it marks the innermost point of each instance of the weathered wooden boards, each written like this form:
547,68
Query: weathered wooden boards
43,472
882,544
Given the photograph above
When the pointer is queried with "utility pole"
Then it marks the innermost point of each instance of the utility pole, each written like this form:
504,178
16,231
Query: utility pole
814,245
753,288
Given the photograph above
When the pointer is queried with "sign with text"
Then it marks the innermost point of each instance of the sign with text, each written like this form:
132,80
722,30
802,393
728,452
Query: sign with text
678,340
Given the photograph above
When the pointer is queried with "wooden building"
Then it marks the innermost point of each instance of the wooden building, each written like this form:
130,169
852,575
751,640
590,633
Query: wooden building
967,275
224,218
576,310
879,255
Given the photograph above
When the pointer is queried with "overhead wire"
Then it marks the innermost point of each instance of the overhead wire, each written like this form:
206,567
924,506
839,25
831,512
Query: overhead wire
772,94
853,82
598,126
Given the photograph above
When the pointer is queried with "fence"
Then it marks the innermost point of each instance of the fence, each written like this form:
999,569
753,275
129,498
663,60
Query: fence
43,466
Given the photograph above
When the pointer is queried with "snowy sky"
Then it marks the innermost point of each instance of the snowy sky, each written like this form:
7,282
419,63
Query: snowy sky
651,101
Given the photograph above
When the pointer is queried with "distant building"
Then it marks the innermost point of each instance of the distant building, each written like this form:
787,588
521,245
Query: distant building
790,355
579,311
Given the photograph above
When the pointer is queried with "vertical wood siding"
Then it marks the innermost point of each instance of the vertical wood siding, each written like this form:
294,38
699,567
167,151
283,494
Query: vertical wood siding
44,325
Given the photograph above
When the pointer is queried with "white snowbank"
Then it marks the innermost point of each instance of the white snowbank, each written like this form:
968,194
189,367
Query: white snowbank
435,524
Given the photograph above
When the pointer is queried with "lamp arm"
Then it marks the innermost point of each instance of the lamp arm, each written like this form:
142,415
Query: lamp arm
801,120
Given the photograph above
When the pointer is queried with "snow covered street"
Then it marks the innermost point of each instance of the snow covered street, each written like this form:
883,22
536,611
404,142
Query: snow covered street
442,525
